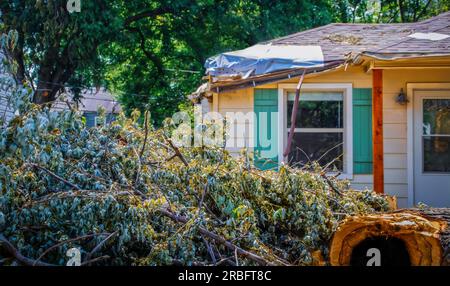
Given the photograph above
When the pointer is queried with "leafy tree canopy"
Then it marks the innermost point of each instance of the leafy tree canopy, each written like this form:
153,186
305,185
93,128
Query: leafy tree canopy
151,53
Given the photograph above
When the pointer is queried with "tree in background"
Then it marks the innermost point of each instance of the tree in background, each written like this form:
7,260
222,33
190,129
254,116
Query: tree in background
139,49
161,59
387,11
151,53
53,45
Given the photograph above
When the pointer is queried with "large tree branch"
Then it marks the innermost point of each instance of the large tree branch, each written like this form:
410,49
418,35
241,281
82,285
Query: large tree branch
148,14
18,256
54,176
294,115
152,57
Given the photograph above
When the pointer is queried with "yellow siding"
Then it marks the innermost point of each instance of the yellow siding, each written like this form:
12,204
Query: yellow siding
394,114
238,101
395,124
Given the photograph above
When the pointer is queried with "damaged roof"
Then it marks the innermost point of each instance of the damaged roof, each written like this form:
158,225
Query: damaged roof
338,40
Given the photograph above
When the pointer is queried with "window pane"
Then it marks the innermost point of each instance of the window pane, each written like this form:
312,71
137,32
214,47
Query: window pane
436,116
436,154
309,147
318,111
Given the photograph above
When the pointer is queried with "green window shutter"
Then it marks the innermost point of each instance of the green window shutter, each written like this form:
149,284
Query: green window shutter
362,131
266,126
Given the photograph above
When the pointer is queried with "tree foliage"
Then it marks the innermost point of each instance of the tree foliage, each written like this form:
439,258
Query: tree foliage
151,53
168,51
124,196
388,11
53,45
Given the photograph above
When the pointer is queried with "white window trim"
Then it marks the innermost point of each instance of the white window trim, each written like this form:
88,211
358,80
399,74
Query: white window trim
347,90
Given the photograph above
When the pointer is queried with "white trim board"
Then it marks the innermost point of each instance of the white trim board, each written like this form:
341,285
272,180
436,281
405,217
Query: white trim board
411,87
347,89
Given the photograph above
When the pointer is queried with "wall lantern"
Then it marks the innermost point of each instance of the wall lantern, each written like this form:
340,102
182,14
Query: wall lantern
402,98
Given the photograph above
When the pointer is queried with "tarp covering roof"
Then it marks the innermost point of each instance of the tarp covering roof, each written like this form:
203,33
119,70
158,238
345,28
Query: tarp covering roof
263,59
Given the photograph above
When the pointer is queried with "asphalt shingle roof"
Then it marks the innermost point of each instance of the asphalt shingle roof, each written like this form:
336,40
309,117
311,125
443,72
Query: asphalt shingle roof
337,40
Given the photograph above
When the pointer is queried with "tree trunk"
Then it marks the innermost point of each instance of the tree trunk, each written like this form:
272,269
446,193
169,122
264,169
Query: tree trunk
51,81
423,236
45,93
54,71
401,10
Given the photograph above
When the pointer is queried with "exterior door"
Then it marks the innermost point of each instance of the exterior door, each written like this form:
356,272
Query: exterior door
432,147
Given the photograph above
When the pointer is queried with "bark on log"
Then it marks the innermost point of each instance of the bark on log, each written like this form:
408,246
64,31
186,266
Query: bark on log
443,215
424,232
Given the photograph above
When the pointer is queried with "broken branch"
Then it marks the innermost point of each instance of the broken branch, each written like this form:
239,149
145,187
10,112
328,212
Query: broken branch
177,152
54,176
18,256
256,258
294,115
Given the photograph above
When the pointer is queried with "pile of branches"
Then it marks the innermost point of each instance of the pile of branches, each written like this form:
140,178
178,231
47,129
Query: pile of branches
125,194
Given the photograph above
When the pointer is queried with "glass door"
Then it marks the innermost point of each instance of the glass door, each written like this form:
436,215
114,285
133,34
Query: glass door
432,147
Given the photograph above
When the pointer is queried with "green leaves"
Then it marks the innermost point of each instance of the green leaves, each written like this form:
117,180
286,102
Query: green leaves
9,40
388,11
2,221
279,214
288,214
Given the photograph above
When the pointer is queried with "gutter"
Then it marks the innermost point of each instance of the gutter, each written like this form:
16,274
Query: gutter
393,60
397,56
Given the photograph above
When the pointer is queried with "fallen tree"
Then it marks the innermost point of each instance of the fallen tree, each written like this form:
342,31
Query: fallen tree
417,237
127,195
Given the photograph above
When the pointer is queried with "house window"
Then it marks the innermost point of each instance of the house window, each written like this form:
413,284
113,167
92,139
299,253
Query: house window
319,133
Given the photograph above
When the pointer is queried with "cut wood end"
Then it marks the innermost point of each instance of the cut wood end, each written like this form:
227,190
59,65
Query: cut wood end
421,236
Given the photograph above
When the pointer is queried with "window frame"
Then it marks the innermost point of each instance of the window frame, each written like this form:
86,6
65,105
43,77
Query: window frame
347,92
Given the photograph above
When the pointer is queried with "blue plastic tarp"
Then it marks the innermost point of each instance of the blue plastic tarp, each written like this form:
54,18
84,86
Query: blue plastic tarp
264,59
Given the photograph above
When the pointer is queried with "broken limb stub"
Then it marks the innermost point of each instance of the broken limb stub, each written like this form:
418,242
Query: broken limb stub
405,237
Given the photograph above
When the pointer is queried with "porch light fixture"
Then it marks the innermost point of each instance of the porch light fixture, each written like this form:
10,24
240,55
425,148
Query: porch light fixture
402,99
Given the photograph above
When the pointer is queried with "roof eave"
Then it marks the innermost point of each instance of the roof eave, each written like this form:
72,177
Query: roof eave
255,81
397,56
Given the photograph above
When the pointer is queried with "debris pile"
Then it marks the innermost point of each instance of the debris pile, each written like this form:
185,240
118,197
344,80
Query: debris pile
125,194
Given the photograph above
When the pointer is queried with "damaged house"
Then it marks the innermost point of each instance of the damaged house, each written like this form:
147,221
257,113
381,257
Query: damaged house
373,104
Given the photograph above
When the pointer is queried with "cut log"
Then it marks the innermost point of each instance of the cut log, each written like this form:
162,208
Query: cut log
404,237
